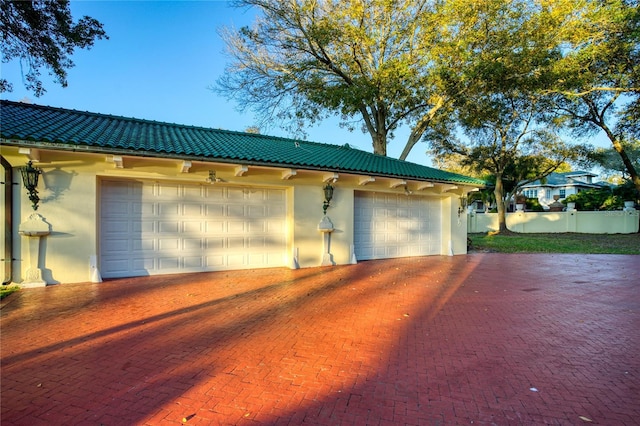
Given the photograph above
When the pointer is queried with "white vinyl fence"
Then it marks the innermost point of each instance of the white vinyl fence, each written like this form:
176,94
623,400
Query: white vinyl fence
606,222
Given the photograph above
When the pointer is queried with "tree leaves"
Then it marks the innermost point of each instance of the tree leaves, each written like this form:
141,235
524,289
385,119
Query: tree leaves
42,34
305,60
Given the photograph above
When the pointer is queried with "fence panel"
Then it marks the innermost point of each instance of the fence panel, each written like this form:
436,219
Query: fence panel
607,222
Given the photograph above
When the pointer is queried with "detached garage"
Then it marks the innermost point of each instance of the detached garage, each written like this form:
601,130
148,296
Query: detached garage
120,197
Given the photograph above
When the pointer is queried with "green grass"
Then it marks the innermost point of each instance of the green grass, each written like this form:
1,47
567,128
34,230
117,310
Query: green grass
557,243
6,290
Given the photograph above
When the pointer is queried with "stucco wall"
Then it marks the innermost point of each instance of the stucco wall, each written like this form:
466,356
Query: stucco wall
454,225
70,210
609,222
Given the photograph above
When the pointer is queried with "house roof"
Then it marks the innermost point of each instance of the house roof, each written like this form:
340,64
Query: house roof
71,129
564,179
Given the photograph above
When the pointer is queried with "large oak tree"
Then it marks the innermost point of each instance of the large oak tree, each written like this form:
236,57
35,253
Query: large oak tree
367,61
505,50
42,34
598,78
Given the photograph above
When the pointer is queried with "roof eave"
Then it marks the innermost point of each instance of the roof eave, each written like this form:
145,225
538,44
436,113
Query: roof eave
156,154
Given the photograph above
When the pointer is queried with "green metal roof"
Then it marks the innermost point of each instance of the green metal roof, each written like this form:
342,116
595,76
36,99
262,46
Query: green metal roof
109,133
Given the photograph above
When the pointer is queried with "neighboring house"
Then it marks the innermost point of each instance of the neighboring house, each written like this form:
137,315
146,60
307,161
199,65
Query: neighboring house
127,197
560,184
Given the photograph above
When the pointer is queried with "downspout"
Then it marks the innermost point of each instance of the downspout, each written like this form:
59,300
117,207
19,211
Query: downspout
7,253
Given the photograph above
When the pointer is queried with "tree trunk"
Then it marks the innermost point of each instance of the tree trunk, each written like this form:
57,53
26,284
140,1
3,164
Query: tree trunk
379,144
413,139
597,118
499,194
625,158
420,127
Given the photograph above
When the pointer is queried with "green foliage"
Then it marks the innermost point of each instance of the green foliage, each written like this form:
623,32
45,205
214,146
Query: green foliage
604,198
505,50
42,34
595,199
6,290
627,192
534,205
608,160
306,60
474,79
597,79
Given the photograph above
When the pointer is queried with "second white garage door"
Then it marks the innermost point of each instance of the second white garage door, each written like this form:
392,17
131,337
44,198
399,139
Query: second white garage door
394,225
150,228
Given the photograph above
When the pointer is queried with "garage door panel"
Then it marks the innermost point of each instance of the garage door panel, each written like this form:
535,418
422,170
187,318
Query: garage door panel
153,228
214,262
236,260
235,243
236,227
143,245
192,193
116,226
394,225
139,227
165,227
236,211
118,245
168,190
192,244
142,264
215,243
235,194
193,210
118,208
256,211
118,267
168,209
168,244
169,264
193,227
193,262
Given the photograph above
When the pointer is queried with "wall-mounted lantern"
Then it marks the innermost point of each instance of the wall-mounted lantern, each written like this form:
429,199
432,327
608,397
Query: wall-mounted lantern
328,195
30,176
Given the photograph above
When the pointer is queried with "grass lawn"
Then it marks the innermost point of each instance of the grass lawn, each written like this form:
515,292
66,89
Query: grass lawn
6,290
557,243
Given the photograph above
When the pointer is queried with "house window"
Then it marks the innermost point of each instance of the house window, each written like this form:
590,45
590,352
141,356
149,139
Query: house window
563,193
548,194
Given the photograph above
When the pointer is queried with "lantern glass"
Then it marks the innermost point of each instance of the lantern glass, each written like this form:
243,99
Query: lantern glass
30,176
328,193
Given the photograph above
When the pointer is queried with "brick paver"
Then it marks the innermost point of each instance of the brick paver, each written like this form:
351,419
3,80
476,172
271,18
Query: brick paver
484,339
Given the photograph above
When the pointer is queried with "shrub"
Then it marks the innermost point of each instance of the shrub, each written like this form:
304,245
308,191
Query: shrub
534,205
595,199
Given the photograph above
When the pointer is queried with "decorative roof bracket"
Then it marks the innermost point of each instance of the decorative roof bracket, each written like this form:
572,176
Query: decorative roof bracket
241,170
289,173
396,183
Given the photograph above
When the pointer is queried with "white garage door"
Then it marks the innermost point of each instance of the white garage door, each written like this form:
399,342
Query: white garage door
393,225
151,228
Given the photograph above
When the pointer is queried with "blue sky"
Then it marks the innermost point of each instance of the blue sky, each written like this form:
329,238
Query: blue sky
158,64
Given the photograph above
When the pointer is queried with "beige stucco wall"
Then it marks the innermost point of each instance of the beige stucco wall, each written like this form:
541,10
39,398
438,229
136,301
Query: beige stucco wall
308,241
455,225
608,222
70,211
71,206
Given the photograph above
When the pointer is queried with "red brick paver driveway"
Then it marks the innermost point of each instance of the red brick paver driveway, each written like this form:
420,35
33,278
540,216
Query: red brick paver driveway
482,339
